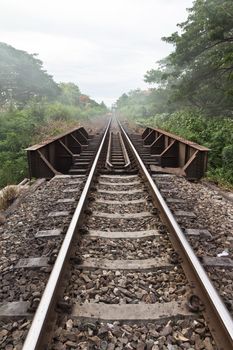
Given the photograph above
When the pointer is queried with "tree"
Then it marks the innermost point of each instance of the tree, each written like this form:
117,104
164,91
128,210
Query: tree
199,72
103,105
70,94
22,77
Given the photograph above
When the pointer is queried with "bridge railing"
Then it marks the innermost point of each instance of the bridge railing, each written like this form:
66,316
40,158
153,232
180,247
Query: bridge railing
175,154
55,156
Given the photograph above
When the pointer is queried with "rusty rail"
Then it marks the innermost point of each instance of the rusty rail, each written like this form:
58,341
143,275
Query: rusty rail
108,163
125,153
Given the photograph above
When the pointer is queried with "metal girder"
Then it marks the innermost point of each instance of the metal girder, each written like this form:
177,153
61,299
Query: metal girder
175,154
55,156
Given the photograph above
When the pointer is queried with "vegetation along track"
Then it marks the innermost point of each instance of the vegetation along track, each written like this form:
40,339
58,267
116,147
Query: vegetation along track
125,276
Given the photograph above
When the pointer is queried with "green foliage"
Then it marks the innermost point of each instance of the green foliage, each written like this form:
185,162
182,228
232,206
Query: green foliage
58,111
22,77
13,170
70,94
199,72
227,156
16,130
136,104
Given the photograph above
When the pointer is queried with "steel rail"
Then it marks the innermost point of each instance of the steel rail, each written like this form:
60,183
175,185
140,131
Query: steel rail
218,316
108,163
125,153
34,339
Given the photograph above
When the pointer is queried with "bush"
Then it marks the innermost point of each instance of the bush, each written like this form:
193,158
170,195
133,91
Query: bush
58,111
227,157
13,169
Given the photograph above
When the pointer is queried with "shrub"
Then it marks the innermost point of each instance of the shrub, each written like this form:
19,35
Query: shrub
227,157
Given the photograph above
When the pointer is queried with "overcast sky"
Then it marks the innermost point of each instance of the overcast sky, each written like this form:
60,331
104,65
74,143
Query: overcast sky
104,46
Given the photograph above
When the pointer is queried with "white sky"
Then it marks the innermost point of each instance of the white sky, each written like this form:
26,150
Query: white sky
104,46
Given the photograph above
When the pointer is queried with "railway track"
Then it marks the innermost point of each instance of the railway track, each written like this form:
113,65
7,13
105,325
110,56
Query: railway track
125,276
